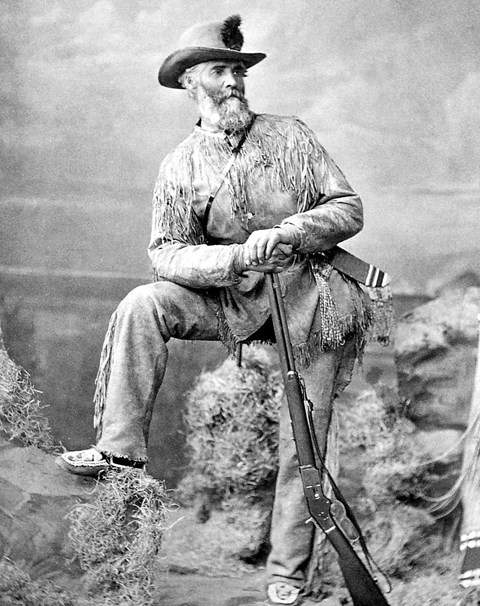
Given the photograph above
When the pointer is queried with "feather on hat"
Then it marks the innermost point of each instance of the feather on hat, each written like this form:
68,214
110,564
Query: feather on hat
212,41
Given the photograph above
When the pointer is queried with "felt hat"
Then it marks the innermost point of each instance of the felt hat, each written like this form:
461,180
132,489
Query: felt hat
212,41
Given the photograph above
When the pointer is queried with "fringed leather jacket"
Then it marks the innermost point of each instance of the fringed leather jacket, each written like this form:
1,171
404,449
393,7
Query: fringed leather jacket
281,175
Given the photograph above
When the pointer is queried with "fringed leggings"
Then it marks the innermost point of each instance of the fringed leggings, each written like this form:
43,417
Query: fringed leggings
131,372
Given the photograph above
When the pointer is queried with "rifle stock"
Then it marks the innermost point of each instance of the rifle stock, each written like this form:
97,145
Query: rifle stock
361,585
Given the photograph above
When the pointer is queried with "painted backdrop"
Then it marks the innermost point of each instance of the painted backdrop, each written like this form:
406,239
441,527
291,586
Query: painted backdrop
392,88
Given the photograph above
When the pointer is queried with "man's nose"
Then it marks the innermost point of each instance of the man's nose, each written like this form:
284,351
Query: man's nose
230,79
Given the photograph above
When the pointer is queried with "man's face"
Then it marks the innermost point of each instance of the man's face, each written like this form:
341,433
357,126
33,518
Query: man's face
219,93
223,79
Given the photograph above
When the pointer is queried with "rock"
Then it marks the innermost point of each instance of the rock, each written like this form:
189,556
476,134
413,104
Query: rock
35,496
435,351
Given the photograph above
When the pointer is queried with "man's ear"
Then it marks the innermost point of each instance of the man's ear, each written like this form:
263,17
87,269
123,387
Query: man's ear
190,85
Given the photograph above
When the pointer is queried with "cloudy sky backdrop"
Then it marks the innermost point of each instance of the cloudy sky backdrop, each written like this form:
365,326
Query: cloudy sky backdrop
392,88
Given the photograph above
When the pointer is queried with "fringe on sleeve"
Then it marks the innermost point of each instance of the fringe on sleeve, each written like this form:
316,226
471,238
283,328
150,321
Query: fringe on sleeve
173,214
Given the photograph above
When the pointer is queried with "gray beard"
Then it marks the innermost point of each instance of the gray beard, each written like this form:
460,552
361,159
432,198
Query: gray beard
235,115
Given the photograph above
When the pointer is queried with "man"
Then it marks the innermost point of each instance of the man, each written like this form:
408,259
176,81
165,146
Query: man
244,194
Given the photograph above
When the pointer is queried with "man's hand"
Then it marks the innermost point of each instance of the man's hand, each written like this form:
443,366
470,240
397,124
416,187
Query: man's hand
266,250
261,244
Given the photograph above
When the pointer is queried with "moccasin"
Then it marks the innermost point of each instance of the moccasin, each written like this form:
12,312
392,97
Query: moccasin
91,462
283,593
88,462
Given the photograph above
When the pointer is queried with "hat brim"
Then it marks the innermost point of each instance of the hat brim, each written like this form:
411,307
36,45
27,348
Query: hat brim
180,60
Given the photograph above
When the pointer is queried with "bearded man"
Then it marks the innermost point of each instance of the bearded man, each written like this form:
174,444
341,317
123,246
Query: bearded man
242,195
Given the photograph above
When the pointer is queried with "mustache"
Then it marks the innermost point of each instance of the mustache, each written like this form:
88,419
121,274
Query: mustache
236,93
220,98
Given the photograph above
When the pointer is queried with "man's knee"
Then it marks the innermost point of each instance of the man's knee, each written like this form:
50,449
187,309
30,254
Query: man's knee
154,294
179,311
140,298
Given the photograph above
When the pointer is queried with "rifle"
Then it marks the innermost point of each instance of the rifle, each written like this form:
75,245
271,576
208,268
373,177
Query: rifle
362,586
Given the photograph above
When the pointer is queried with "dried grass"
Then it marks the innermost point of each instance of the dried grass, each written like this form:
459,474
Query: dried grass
231,422
117,536
21,414
432,588
400,534
16,587
394,468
